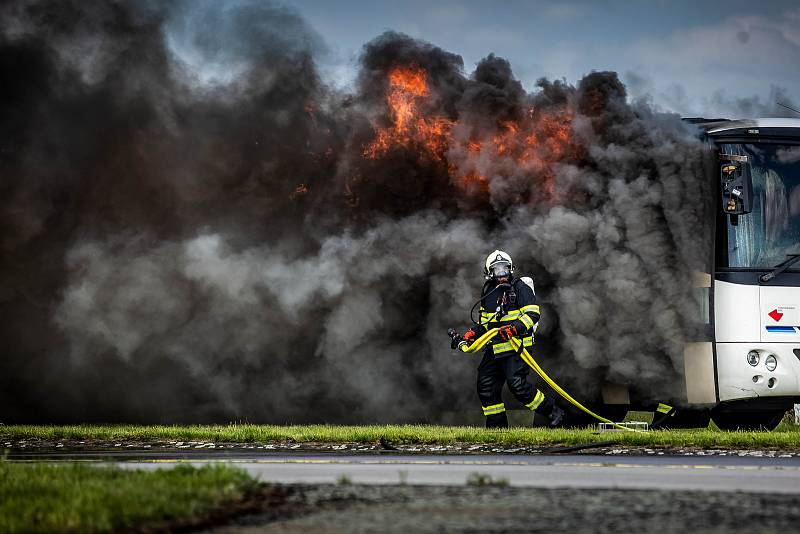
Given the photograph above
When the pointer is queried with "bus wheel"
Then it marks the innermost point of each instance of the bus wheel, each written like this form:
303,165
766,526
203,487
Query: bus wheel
763,420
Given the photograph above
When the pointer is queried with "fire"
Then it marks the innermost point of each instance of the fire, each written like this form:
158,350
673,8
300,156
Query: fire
407,84
299,191
533,143
506,139
474,181
408,88
554,129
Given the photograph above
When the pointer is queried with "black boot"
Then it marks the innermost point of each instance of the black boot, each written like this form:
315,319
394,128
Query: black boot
556,417
554,414
497,420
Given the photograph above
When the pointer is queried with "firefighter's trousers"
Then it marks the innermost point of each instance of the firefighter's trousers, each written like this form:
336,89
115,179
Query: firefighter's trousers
492,374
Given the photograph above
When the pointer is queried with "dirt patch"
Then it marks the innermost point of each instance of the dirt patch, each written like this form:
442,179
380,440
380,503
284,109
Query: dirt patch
345,508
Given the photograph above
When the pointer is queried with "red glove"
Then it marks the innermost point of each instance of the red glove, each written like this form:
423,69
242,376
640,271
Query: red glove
507,332
469,336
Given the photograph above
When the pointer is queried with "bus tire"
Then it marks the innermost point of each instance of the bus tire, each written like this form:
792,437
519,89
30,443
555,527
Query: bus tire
748,420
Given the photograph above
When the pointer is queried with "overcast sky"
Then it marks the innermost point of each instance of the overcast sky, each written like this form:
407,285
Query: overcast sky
692,57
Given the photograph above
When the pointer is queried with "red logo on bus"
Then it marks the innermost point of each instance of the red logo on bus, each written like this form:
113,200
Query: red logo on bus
776,315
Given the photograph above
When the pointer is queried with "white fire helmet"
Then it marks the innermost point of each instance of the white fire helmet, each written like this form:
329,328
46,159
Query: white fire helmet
495,263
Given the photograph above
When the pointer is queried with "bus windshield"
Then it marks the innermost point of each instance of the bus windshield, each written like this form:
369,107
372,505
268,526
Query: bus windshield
764,237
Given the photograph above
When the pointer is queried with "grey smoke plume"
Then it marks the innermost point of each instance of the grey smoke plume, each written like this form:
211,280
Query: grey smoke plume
176,249
718,103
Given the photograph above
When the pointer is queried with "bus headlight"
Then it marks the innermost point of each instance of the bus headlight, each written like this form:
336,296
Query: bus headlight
753,358
771,362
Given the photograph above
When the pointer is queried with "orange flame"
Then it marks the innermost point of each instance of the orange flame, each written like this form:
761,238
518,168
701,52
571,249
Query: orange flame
474,181
408,87
299,191
535,142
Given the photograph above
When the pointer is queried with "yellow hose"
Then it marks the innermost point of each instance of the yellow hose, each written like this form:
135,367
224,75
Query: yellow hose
481,342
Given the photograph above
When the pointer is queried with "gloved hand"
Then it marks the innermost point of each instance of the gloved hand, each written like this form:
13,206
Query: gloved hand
507,332
470,336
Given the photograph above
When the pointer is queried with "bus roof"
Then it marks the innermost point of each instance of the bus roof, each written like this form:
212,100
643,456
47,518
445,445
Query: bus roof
749,130
755,123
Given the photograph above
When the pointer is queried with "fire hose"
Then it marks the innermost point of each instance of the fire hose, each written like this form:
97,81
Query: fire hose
481,342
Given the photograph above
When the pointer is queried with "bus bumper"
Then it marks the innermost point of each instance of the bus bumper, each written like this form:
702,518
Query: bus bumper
738,379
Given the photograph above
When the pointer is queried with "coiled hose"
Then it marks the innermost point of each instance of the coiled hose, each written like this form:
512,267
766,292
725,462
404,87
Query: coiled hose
481,342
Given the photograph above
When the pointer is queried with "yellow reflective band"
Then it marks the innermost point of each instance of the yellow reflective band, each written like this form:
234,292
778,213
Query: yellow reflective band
527,321
503,347
492,314
492,317
530,308
663,408
510,316
537,400
493,409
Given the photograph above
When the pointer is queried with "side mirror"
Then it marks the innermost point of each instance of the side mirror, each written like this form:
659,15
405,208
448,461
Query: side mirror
737,186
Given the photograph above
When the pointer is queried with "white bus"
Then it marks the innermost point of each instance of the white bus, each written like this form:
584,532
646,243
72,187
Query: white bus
745,371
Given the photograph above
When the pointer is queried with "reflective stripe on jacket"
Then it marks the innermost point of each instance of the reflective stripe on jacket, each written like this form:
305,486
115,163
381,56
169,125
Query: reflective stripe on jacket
523,313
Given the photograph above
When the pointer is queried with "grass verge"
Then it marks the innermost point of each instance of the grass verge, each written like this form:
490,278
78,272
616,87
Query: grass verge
785,437
41,497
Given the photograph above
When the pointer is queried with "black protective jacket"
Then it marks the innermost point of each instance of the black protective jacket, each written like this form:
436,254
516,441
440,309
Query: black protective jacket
514,305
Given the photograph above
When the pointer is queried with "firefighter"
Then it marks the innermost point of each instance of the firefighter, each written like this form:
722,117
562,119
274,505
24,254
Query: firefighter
508,303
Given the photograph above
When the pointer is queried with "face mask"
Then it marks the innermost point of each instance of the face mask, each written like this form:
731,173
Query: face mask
501,270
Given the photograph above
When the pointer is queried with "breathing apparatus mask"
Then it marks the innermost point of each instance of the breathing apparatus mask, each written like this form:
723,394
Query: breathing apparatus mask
500,270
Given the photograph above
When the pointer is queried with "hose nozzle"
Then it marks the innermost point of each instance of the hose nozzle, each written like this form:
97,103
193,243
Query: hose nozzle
455,338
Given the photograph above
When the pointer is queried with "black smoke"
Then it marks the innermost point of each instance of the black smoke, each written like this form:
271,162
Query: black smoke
183,249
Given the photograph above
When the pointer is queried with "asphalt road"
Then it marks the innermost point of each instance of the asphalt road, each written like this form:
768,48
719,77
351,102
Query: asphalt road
398,492
710,473
719,474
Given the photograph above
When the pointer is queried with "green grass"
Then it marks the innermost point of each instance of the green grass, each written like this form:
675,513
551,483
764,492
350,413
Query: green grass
41,497
483,479
785,437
